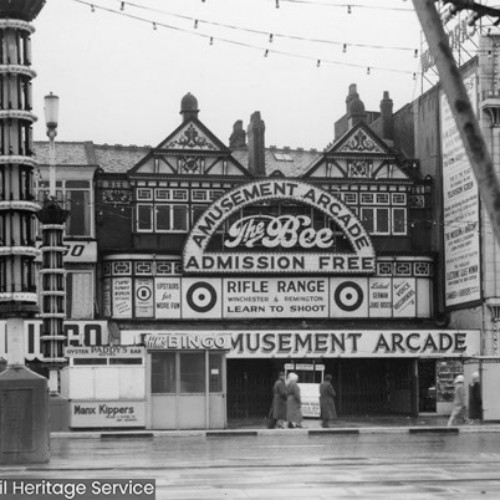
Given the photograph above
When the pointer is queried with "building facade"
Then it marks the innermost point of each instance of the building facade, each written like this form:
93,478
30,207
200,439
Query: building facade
196,271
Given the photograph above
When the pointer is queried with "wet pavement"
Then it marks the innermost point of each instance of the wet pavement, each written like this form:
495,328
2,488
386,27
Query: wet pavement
292,464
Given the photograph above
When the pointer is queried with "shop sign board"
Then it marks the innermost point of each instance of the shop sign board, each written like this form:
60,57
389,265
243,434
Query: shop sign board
461,210
298,297
297,245
107,351
107,414
79,333
320,343
76,252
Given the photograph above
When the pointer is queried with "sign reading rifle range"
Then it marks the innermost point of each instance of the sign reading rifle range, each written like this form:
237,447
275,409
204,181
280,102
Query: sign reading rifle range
288,240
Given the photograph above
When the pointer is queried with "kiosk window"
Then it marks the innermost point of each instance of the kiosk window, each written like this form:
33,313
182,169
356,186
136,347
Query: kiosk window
215,372
163,372
192,372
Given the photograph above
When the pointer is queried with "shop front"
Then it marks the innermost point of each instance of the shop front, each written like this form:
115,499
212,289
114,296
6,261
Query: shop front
187,382
203,379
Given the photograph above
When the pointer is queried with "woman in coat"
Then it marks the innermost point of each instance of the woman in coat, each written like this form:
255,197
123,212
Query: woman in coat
475,401
327,401
458,412
278,410
293,402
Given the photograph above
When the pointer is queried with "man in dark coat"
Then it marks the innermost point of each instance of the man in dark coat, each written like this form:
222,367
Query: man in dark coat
278,409
327,401
475,400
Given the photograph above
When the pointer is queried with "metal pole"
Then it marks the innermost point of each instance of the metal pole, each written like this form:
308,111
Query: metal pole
466,121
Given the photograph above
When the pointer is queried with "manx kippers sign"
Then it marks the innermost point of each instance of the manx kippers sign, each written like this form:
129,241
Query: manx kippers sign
291,240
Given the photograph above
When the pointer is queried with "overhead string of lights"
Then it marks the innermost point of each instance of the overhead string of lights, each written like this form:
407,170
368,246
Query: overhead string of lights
266,51
272,36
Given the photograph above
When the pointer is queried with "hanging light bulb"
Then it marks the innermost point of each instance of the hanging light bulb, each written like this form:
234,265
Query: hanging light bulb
211,40
92,8
277,4
415,53
344,47
349,9
318,63
266,53
368,70
154,26
122,6
195,23
270,38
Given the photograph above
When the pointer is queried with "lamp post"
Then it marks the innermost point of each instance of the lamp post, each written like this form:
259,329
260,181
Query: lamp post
51,110
52,217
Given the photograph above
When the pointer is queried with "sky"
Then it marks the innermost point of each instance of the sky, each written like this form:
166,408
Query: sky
120,80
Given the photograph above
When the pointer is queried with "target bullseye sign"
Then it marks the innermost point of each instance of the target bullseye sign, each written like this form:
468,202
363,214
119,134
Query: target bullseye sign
202,298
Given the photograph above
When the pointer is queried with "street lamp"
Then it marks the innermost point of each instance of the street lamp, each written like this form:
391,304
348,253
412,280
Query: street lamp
51,110
52,217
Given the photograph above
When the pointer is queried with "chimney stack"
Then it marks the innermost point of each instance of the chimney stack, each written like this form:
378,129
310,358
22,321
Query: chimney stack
351,94
386,113
237,139
256,145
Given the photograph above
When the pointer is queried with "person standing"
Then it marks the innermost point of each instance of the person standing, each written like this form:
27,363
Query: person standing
475,400
293,402
327,401
458,412
278,408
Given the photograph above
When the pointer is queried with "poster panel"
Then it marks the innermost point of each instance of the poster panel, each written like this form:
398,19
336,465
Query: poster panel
122,297
168,298
202,298
404,297
349,297
108,414
287,297
460,210
380,297
144,298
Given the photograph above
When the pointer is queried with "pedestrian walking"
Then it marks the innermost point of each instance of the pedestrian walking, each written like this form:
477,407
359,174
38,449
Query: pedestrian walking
277,415
458,413
293,402
327,401
475,400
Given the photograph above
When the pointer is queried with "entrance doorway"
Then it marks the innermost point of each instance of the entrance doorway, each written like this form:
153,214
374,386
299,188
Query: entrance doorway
427,385
188,390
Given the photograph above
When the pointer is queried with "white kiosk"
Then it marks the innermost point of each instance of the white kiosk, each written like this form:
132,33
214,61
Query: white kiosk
310,376
106,386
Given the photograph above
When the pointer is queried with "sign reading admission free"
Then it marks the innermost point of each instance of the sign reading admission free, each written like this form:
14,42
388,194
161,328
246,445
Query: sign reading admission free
301,297
294,234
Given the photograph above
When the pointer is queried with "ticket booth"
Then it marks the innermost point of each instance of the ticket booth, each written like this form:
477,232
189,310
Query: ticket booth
187,383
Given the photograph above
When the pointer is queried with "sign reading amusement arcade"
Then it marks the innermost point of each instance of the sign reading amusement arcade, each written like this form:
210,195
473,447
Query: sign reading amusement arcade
295,235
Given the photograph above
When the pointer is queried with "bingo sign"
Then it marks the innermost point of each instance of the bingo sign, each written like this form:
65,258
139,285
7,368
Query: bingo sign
144,301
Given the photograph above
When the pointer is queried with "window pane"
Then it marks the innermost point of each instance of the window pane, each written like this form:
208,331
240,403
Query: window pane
367,219
215,372
163,372
79,295
162,217
180,218
399,220
144,218
79,213
382,220
192,372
